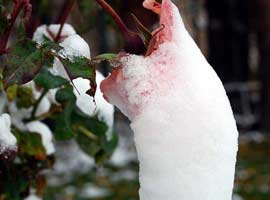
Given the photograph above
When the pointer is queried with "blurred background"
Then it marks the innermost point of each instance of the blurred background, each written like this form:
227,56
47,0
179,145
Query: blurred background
234,35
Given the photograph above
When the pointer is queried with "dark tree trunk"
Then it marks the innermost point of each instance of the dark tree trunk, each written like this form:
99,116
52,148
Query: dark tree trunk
228,38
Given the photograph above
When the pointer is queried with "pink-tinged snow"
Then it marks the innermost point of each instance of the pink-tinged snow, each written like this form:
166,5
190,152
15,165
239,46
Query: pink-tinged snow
184,129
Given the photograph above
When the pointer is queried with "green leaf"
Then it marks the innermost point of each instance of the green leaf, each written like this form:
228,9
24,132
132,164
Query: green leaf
47,80
22,63
105,57
80,67
147,35
11,92
63,130
91,136
25,97
30,144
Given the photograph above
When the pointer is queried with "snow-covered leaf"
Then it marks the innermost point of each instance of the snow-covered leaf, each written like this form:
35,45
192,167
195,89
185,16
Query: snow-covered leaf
80,67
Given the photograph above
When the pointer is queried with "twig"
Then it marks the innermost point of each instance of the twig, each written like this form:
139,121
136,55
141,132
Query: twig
37,103
133,42
64,18
19,5
115,16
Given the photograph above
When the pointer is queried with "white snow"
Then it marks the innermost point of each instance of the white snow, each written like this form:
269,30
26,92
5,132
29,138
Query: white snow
123,154
92,191
19,114
184,130
104,110
74,45
46,135
32,197
71,159
44,105
7,139
53,28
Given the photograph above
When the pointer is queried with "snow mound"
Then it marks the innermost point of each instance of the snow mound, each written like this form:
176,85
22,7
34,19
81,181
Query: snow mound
53,29
184,130
7,139
19,114
73,45
46,135
102,108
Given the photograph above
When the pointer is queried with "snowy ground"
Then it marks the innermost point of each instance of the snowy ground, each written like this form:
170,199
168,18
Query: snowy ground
118,178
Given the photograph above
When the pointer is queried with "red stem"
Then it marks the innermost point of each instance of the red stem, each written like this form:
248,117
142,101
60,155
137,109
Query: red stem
19,5
115,16
64,18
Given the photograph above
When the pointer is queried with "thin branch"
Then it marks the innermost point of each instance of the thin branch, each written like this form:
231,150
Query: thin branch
19,5
133,41
64,18
114,15
33,114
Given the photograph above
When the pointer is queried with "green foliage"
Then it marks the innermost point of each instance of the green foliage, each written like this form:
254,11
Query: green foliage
11,92
47,80
80,67
3,19
106,56
30,145
27,61
63,130
25,97
91,136
22,63
89,132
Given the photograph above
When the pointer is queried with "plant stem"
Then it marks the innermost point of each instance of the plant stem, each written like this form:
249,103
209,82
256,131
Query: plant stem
33,114
133,42
115,16
64,18
19,5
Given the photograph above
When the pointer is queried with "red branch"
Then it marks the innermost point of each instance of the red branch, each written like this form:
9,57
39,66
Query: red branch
64,18
115,16
19,5
134,44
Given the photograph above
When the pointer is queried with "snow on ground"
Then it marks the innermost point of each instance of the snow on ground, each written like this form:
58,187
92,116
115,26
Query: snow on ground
32,197
70,160
237,197
92,191
164,95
